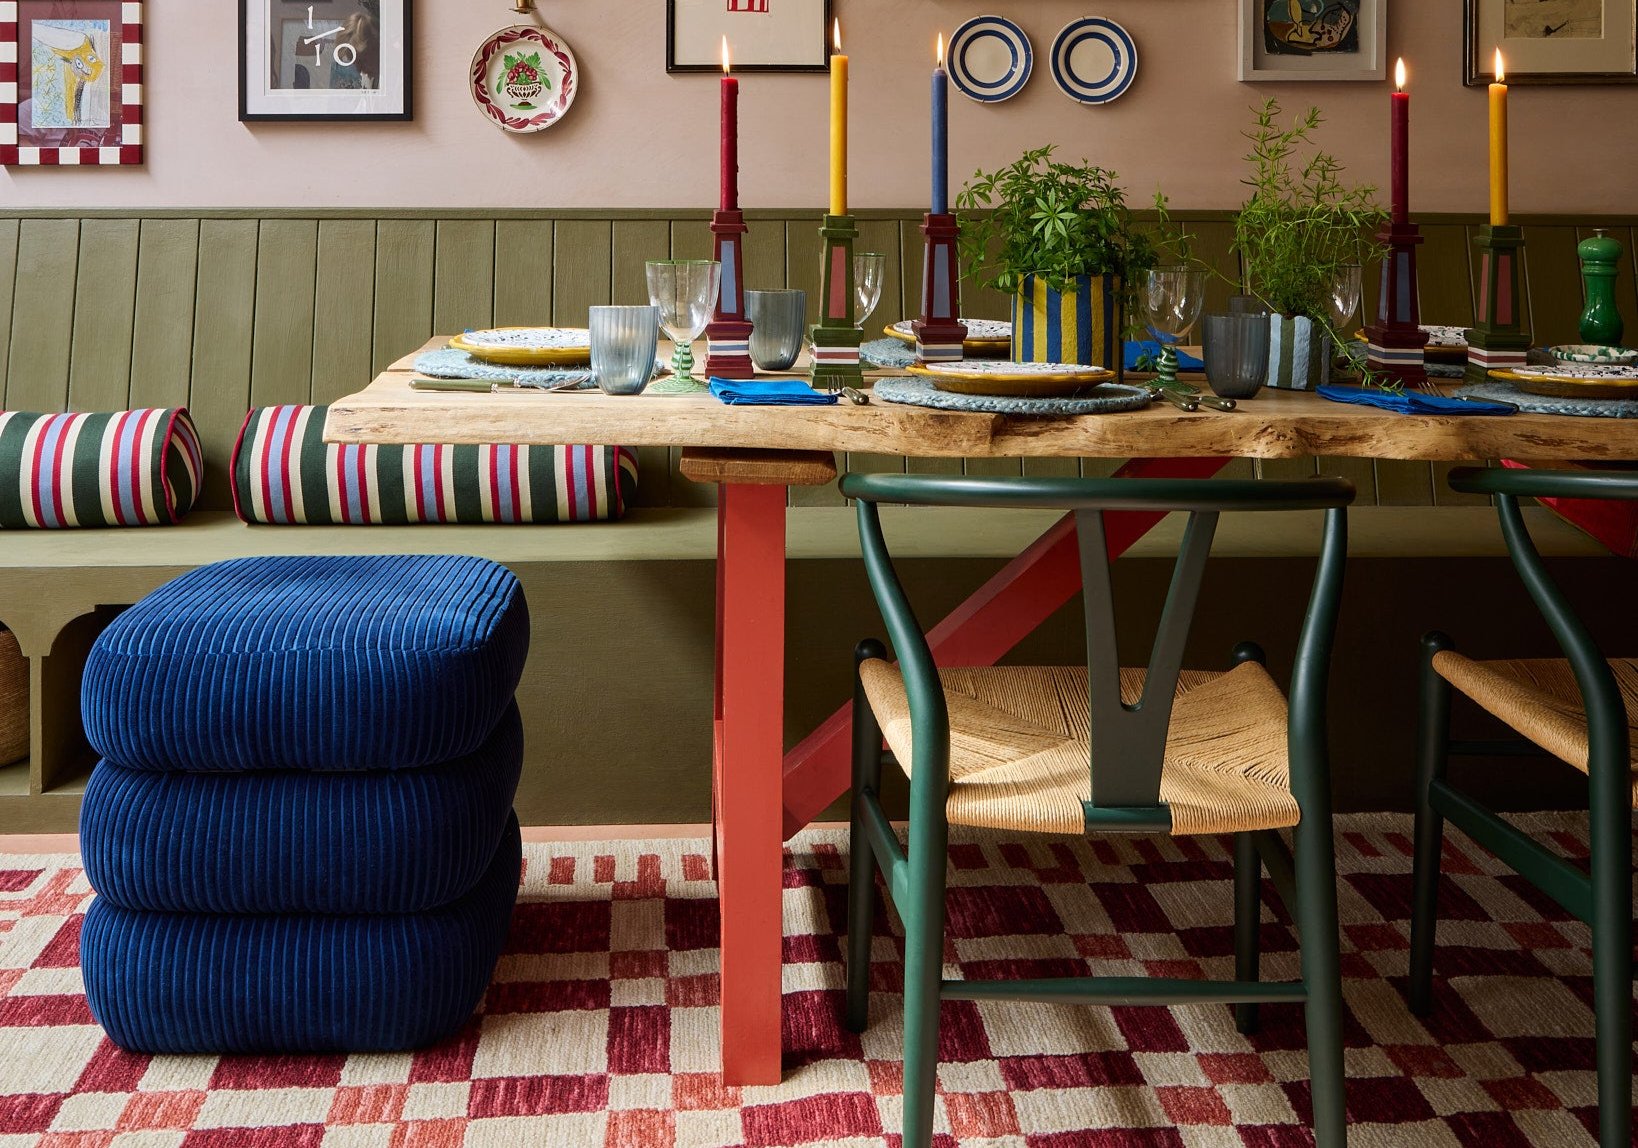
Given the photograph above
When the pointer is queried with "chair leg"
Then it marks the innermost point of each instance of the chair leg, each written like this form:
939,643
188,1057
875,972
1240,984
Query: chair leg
1248,909
861,883
1611,867
1316,912
1433,735
923,973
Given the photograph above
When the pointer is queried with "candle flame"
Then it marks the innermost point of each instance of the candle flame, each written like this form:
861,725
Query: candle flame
1501,75
1399,74
725,65
941,49
836,33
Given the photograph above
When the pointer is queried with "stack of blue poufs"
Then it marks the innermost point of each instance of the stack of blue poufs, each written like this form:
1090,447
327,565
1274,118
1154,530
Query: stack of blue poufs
301,835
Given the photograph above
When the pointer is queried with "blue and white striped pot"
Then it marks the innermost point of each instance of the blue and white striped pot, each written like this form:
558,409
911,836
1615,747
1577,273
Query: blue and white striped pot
1299,353
1079,326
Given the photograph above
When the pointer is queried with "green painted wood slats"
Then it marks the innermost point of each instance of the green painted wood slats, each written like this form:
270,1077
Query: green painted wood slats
220,310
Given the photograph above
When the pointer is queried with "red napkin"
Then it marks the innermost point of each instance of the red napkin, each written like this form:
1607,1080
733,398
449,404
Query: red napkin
1613,523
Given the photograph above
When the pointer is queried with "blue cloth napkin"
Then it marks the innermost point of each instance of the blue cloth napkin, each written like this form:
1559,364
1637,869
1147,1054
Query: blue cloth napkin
1412,402
769,393
1137,348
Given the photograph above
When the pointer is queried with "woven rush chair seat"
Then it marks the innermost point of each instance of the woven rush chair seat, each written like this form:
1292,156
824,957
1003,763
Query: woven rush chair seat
1020,739
1539,698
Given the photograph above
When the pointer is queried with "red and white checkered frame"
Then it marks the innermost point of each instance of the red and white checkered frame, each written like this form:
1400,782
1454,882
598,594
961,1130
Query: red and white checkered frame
127,84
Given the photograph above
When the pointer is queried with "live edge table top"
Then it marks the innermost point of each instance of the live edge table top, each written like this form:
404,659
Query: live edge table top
1275,424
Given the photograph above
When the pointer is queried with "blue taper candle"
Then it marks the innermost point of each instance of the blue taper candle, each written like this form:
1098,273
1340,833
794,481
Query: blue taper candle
941,134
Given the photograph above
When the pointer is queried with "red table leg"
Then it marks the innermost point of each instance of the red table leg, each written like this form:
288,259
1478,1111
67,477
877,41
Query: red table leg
750,735
998,616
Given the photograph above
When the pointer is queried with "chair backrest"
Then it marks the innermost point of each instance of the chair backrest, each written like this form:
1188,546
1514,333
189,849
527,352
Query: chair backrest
1609,763
1128,739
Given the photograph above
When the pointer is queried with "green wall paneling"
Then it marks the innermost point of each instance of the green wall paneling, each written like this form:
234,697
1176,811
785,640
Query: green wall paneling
225,303
1442,275
42,325
281,353
344,308
581,267
99,372
162,332
405,255
463,290
523,272
1553,284
8,281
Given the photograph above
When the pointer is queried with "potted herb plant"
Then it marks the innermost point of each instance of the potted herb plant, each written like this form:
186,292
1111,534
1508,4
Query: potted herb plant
1057,237
1296,236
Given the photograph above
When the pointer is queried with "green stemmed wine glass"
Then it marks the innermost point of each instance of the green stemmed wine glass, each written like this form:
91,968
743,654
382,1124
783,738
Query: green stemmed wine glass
685,291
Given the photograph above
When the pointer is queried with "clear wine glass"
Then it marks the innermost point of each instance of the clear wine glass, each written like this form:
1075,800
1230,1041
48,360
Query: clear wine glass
685,291
1172,300
869,268
1346,289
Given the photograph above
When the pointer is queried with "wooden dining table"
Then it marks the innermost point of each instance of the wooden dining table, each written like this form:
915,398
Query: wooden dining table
755,454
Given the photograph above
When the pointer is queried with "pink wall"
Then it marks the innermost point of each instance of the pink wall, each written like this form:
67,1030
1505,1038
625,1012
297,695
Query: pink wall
1178,127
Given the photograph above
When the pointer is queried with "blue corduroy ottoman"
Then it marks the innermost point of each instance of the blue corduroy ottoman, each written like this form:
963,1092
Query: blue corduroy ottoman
301,833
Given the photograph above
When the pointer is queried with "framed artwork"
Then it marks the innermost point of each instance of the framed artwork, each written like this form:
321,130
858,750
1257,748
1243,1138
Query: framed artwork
70,82
1552,41
763,35
1313,39
324,60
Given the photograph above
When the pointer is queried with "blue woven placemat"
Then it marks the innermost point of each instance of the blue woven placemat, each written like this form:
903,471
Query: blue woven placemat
452,364
888,354
1548,404
918,391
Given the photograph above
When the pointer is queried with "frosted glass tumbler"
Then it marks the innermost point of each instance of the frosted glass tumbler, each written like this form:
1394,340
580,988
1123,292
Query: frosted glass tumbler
623,343
778,326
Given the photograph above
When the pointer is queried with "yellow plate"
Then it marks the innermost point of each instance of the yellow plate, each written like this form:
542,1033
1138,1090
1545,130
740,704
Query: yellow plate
1031,386
978,346
1567,387
571,356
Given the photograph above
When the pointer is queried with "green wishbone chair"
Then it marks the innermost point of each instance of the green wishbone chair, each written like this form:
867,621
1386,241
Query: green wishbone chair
1579,709
1169,751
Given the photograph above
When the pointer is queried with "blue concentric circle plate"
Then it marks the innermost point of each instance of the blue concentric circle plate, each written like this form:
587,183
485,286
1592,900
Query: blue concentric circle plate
990,59
1094,60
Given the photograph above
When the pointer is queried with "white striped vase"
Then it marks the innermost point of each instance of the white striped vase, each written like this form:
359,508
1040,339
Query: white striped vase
1299,353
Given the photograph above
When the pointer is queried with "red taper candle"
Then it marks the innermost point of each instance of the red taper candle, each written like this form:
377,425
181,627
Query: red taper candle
1401,147
730,135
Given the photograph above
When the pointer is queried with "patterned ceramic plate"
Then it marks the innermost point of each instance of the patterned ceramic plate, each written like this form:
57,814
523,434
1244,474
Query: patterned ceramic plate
524,78
1594,353
527,346
1094,60
1580,380
990,59
1034,380
984,336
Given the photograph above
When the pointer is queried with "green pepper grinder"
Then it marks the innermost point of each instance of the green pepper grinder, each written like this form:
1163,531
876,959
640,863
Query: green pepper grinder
1601,320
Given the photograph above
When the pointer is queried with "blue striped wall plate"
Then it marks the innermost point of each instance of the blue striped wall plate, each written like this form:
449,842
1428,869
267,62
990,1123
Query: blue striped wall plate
1094,60
990,59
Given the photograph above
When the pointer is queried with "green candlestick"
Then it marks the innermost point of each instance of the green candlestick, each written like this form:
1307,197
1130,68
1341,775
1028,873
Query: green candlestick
1601,320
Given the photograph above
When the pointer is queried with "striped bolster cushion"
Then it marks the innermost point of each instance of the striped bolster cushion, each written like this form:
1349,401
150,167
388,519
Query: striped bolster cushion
124,468
284,473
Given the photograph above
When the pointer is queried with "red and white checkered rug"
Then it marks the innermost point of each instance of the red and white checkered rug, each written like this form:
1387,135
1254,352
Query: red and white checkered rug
601,1027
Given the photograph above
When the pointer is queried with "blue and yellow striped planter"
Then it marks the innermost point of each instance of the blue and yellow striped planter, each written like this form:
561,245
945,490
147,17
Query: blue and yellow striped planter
1079,326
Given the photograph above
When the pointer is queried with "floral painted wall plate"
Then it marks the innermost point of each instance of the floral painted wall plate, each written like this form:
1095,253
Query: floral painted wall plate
524,78
975,377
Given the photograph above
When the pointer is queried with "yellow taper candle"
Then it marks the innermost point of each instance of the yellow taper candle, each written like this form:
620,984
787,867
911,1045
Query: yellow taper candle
838,124
1498,146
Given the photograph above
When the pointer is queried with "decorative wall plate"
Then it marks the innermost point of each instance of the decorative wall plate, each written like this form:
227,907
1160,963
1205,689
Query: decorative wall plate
527,346
984,336
1094,60
1034,380
524,78
990,59
1594,353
